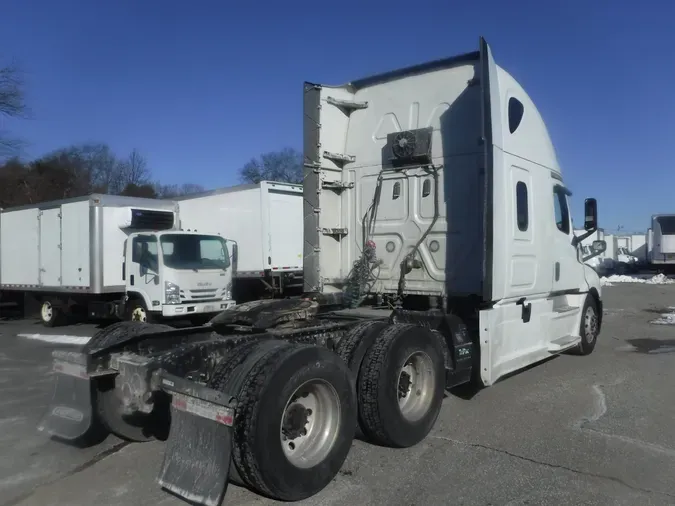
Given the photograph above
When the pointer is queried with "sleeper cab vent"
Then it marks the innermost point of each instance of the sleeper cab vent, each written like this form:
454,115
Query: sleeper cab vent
145,219
409,147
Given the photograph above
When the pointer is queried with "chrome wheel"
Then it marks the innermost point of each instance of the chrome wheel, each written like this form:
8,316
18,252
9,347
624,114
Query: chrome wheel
47,311
590,324
416,382
310,423
139,315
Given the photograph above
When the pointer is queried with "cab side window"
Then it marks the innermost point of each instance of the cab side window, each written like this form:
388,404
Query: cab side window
562,212
145,251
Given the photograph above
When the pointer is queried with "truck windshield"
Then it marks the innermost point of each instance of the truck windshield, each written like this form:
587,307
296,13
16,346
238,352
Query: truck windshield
191,251
667,224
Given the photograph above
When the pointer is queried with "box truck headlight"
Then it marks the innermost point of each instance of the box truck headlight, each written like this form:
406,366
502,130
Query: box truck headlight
227,293
171,293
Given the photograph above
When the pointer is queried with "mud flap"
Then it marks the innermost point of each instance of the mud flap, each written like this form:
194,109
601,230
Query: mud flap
70,415
197,458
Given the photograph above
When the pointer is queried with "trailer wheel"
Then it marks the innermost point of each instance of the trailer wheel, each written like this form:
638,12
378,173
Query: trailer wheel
51,315
295,423
401,386
141,427
589,328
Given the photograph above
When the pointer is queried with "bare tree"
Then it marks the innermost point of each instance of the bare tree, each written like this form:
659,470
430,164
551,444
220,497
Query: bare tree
284,166
12,103
134,170
169,191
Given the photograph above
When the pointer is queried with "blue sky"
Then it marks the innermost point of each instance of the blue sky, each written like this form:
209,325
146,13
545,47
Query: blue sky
200,88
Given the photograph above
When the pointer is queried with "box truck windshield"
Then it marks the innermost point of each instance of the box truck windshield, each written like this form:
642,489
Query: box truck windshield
194,252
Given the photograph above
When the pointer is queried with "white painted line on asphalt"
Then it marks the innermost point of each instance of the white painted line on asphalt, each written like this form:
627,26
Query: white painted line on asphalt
57,339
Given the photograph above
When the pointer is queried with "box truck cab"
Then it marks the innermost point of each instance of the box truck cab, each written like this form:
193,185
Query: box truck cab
174,274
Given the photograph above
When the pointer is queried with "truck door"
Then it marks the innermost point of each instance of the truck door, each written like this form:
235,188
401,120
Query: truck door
142,272
50,246
565,268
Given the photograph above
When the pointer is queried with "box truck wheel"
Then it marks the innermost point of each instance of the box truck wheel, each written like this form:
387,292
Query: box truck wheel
51,314
137,312
589,328
295,422
138,428
401,385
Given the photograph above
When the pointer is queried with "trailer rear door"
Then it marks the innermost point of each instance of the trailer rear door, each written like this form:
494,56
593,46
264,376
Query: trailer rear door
285,229
50,246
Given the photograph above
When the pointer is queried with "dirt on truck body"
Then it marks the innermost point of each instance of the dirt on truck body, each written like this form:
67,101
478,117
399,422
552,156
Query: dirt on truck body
404,296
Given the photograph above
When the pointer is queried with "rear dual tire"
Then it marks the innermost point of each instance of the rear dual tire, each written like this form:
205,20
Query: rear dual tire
401,385
108,403
296,417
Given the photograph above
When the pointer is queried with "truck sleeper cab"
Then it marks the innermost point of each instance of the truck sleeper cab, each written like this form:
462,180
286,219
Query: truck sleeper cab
438,250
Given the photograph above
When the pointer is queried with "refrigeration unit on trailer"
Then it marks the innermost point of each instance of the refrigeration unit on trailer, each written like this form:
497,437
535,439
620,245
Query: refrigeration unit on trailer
662,241
263,219
438,248
112,256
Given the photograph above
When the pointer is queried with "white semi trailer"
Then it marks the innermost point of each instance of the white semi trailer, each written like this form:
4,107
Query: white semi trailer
263,220
111,256
661,241
438,250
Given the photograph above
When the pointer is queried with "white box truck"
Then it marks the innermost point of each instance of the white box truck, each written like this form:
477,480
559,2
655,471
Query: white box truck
263,220
435,204
112,256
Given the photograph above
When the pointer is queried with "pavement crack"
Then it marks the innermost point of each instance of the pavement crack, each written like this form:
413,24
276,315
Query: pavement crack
98,458
553,466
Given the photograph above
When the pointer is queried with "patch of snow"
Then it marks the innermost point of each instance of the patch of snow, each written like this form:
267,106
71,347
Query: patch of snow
79,340
659,279
666,318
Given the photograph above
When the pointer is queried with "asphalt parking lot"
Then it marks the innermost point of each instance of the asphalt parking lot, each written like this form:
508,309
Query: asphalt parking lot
574,430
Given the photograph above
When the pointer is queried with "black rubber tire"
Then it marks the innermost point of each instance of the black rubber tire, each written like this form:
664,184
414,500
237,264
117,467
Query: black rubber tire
142,427
266,387
379,412
121,331
235,358
588,339
353,346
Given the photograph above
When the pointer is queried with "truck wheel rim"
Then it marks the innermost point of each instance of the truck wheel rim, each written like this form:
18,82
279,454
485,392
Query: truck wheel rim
310,423
415,387
47,311
590,324
138,315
